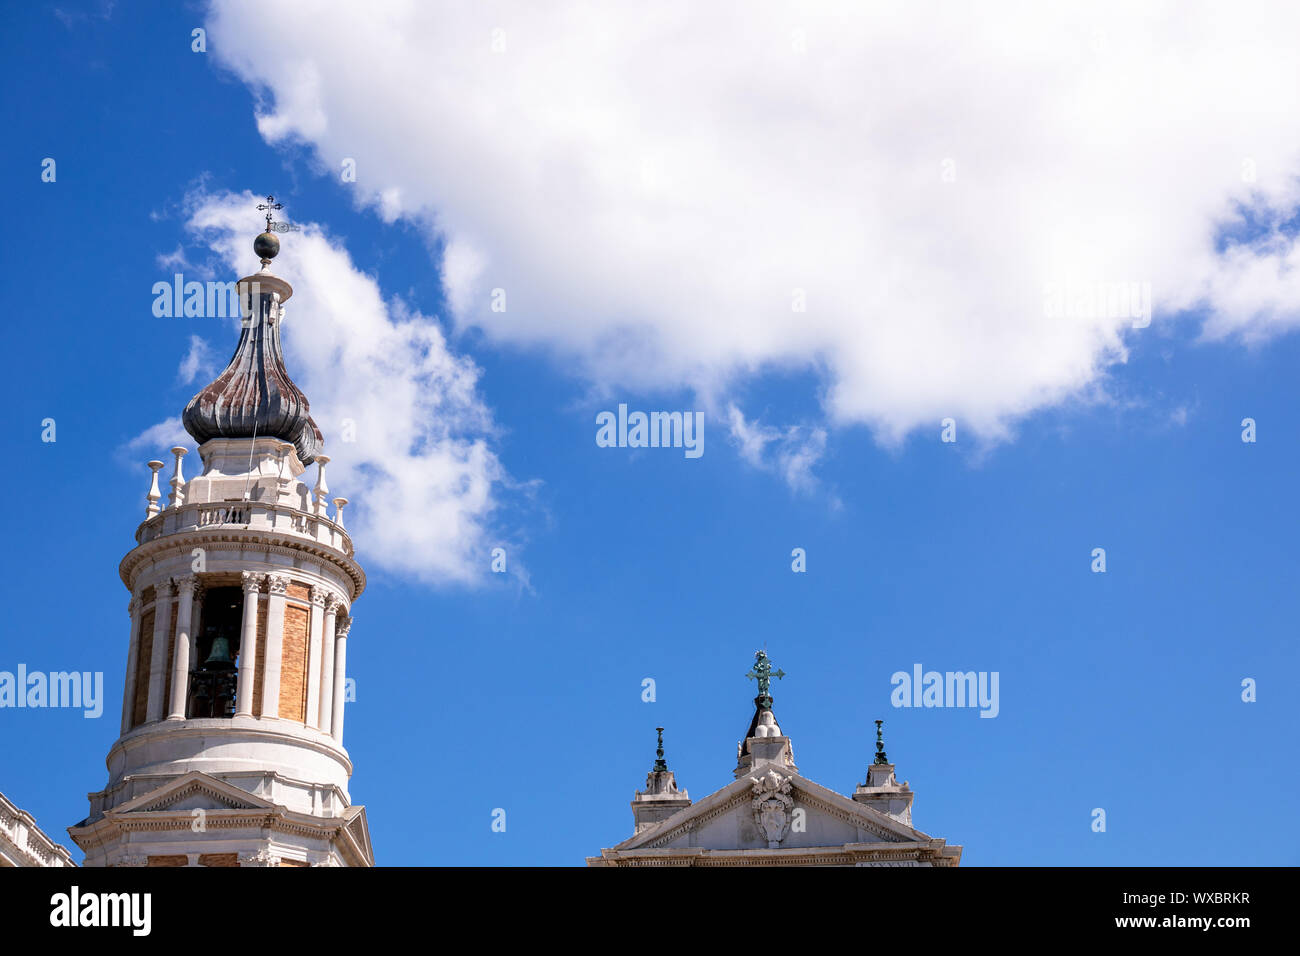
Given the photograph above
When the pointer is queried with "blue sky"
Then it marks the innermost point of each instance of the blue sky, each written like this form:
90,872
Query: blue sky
1119,690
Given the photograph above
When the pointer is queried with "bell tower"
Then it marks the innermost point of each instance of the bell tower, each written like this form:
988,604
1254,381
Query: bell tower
241,587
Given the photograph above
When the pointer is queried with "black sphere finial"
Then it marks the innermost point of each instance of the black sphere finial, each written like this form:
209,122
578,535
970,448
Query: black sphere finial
267,247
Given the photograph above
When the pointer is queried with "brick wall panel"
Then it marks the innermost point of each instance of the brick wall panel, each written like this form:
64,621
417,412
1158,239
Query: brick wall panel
140,707
293,663
261,657
171,656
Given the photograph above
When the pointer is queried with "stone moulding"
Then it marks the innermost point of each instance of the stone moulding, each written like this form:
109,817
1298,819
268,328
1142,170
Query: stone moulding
246,515
274,730
265,542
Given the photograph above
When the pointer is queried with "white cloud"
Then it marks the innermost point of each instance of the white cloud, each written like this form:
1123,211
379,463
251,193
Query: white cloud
796,449
197,362
176,259
158,438
421,476
651,183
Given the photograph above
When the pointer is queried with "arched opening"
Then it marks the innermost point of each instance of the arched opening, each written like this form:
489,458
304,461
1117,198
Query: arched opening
214,679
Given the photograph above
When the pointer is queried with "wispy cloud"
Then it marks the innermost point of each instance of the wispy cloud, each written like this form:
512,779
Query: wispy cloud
157,439
197,362
791,452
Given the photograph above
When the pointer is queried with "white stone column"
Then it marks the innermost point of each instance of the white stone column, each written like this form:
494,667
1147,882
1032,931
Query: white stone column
326,698
177,497
188,597
132,663
322,490
248,645
154,494
162,619
340,676
278,591
316,649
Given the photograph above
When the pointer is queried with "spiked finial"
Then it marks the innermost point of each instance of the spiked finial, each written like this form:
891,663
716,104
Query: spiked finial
880,744
660,763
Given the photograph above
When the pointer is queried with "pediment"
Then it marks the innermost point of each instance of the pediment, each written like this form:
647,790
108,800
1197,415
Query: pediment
195,791
730,819
359,831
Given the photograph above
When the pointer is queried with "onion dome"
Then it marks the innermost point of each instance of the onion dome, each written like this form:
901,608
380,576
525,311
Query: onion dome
254,397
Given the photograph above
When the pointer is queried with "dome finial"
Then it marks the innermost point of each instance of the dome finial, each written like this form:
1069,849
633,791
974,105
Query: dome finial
267,245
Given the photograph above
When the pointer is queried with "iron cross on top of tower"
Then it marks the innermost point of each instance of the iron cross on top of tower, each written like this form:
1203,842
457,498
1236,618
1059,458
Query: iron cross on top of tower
270,206
763,672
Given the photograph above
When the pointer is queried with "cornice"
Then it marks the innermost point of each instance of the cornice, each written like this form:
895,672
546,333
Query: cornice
847,855
270,542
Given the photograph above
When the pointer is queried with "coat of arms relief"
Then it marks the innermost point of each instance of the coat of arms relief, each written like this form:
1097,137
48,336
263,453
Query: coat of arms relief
772,805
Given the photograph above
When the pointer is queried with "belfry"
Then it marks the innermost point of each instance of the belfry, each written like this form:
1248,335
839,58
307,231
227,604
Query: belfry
241,589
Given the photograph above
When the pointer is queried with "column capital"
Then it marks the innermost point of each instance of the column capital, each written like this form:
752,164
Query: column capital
277,583
343,625
185,584
252,581
167,587
319,595
332,603
262,857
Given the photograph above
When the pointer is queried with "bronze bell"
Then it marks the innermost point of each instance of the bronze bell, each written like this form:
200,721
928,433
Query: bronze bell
219,657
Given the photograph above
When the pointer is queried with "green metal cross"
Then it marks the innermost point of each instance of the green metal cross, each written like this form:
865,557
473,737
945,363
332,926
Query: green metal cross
763,673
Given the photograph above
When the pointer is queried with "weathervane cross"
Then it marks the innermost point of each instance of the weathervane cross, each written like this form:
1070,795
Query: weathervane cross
763,673
270,205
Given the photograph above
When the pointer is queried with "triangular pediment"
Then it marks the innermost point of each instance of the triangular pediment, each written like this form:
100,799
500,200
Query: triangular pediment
195,791
732,819
358,831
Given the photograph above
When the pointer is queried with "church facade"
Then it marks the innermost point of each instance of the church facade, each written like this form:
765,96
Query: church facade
23,843
241,588
771,815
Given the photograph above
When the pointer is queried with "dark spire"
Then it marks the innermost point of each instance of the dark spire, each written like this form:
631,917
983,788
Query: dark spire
254,397
660,764
880,744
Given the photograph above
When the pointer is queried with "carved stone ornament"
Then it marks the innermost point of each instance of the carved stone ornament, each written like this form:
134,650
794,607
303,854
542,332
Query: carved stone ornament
278,583
772,805
262,857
